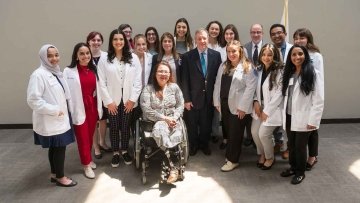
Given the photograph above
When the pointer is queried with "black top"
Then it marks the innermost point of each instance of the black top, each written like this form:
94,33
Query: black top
226,80
264,75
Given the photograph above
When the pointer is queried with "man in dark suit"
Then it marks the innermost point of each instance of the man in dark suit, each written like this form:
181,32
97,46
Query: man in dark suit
199,69
253,49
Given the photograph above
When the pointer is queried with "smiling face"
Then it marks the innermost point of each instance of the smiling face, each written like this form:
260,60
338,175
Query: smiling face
256,33
297,56
151,36
214,30
233,53
202,40
140,45
167,45
277,36
95,43
118,42
267,57
229,35
301,41
127,32
162,75
53,56
181,29
83,56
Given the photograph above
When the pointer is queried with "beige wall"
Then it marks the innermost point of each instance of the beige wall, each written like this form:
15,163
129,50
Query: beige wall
27,25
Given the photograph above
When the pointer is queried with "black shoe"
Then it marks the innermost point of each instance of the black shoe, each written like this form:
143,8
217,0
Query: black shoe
193,150
297,179
115,161
287,173
98,156
310,166
259,165
268,167
72,184
127,158
214,139
223,145
206,150
248,142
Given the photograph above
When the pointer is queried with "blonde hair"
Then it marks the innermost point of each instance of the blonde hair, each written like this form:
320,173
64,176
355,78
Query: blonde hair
246,64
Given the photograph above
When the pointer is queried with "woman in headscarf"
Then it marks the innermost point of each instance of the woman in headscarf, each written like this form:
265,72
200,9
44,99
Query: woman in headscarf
48,96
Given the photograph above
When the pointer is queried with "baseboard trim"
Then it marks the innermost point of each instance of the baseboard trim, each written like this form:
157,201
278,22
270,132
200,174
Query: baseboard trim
323,121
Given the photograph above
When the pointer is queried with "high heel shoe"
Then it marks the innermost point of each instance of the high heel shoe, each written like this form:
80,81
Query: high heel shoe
268,167
310,166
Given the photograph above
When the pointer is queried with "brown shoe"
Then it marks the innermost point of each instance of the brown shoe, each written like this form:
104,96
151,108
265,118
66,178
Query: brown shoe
285,154
174,174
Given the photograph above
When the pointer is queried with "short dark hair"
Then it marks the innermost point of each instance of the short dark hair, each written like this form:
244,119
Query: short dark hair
93,34
277,25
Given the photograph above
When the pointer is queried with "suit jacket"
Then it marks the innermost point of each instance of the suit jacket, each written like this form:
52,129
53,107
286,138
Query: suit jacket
196,87
248,48
177,65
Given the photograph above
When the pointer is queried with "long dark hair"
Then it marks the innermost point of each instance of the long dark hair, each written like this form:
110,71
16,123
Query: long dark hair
157,41
303,32
307,72
188,39
221,30
231,27
124,26
126,54
274,66
154,80
75,62
162,51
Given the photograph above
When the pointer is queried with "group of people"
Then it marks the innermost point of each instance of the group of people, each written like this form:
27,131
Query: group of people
257,86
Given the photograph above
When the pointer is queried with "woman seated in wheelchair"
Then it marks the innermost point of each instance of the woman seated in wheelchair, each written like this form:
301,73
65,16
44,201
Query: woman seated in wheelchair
162,102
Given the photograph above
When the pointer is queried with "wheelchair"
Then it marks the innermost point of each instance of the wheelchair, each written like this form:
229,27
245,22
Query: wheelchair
145,148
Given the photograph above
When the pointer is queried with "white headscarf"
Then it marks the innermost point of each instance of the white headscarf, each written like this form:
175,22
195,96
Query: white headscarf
54,69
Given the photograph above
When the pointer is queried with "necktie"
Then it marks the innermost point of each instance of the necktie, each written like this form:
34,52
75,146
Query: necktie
256,55
203,63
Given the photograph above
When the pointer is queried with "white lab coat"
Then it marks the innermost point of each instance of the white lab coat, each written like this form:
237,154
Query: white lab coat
306,110
272,101
72,78
242,89
46,98
110,81
148,65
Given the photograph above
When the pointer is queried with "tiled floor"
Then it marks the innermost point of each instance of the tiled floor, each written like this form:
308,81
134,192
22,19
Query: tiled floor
336,178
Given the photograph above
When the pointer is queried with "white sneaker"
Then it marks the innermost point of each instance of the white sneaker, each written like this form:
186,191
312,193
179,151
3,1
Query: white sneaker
88,172
92,165
229,166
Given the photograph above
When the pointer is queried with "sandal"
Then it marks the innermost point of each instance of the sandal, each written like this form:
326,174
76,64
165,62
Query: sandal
174,174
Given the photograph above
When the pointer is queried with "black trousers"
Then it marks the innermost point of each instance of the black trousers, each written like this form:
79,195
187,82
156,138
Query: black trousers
57,159
313,143
198,123
297,142
235,129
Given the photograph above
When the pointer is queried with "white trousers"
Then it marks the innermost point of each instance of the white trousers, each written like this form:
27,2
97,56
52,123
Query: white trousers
263,138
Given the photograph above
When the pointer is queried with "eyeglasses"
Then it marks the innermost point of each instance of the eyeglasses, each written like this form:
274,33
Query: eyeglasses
163,72
256,32
149,34
276,33
127,32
